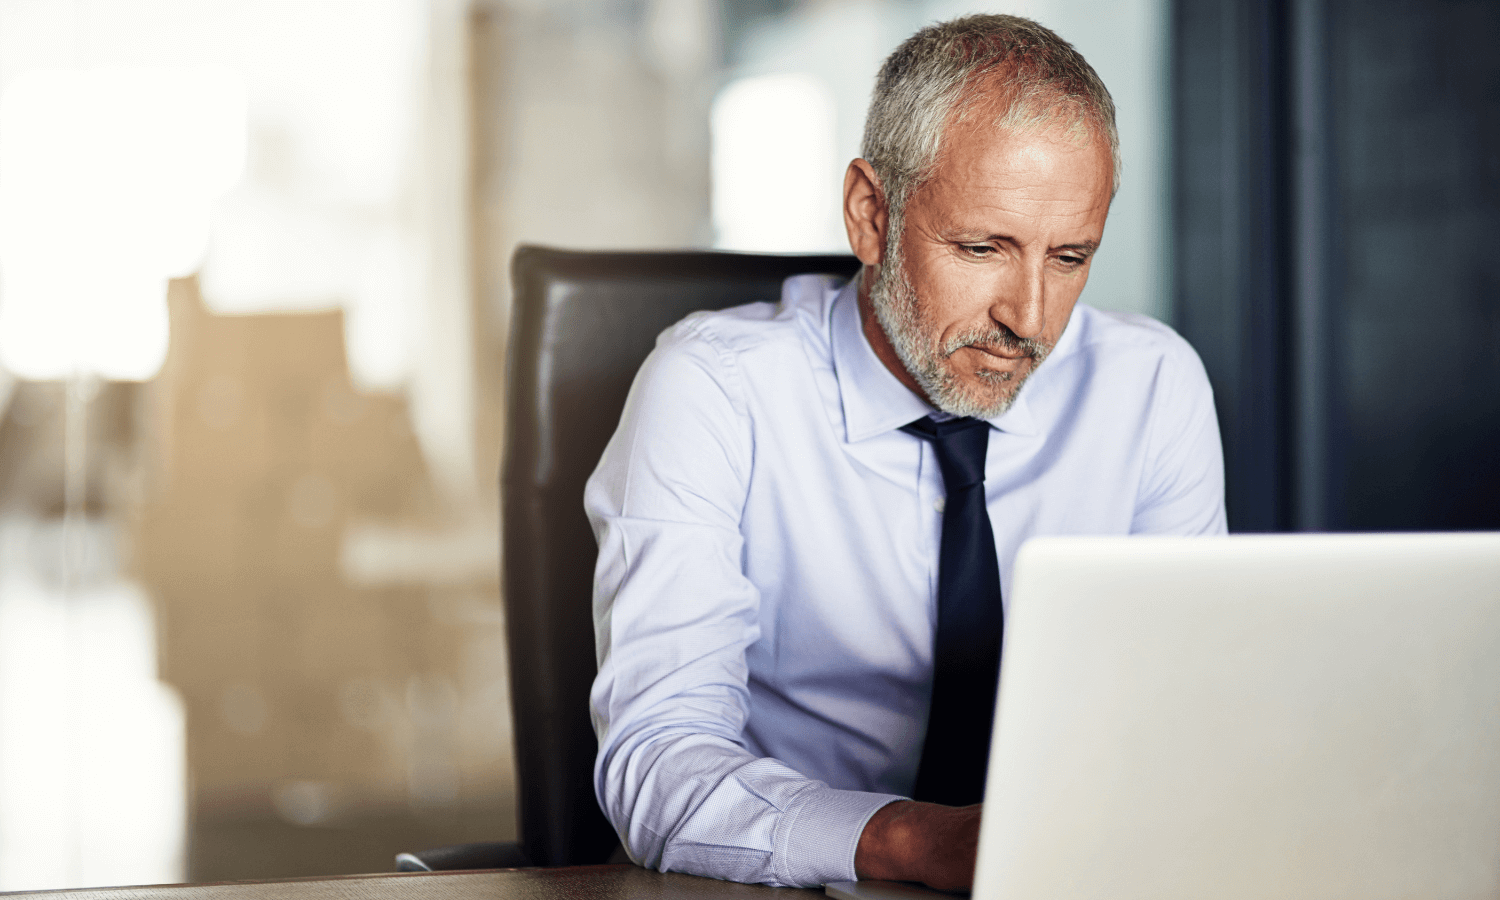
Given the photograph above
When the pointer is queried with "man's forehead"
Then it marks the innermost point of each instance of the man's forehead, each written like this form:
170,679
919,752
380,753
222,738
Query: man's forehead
977,153
999,186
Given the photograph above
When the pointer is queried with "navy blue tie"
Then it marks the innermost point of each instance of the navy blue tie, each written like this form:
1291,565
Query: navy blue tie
970,620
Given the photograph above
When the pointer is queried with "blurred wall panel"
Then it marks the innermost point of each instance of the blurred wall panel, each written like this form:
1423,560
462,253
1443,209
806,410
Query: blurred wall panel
1415,103
340,708
1335,198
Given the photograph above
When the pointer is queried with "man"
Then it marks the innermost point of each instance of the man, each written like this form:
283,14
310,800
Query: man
789,601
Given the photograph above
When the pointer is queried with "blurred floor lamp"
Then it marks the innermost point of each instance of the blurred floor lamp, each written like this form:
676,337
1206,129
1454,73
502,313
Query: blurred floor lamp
107,177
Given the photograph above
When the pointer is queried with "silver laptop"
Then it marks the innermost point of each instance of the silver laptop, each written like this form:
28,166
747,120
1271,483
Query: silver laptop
1255,716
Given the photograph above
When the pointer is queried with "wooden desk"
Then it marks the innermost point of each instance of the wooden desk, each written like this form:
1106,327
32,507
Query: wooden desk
578,883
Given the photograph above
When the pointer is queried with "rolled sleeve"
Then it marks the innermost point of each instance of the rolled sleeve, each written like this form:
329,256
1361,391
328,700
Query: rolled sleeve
820,832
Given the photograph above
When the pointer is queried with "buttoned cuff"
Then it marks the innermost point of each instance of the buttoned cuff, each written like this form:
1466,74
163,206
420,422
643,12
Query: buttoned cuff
817,837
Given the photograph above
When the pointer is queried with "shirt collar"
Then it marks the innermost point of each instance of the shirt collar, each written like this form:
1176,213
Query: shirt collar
874,400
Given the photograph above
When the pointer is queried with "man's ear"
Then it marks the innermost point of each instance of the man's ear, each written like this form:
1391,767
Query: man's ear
865,214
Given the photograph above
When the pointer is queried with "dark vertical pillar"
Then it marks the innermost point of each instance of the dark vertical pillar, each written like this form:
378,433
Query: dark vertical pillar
1230,213
1316,474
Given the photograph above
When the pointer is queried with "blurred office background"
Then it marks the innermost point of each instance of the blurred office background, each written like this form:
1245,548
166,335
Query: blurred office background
253,311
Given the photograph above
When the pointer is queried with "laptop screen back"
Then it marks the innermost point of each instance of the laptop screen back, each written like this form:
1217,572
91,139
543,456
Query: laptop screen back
1256,716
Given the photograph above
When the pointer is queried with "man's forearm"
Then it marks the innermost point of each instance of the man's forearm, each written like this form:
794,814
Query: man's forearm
912,841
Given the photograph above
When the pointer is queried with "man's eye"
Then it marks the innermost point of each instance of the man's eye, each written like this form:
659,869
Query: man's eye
1072,262
978,249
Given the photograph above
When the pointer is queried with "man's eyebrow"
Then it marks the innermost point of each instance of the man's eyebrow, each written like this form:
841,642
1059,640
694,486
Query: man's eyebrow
1082,247
978,237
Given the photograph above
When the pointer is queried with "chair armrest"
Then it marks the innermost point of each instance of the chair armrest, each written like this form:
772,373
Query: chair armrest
487,855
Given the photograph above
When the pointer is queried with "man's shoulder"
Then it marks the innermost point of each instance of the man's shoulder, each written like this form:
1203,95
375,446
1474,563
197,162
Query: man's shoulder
1115,331
740,334
1117,360
1110,341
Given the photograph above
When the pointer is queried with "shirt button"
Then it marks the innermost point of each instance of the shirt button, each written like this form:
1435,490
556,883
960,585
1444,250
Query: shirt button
940,504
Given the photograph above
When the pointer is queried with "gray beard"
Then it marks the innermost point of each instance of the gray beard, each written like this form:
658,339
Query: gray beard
914,338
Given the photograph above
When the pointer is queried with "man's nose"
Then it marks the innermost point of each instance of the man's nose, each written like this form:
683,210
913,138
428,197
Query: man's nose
1023,308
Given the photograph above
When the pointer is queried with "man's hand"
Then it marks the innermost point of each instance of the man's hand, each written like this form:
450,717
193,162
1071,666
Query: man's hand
911,841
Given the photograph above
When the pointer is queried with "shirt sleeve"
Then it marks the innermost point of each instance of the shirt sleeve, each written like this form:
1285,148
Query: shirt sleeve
1183,484
673,615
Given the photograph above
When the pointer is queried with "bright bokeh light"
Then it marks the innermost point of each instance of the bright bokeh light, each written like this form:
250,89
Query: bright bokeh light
107,177
775,177
92,745
330,214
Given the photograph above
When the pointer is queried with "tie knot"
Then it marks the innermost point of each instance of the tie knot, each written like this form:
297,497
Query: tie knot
960,445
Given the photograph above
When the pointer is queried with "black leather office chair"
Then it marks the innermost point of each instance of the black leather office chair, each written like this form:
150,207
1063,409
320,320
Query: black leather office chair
582,324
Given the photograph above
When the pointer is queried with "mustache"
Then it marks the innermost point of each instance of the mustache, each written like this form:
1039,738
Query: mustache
996,338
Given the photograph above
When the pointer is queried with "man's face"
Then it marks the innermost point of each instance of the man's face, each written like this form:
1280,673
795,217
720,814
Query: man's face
995,249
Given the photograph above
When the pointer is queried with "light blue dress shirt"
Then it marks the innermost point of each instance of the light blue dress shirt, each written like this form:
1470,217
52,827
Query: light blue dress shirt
765,595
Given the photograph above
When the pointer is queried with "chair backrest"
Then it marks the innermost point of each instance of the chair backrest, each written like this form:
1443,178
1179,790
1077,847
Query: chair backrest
582,323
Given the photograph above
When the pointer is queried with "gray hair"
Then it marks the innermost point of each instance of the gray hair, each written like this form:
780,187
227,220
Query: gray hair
935,79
